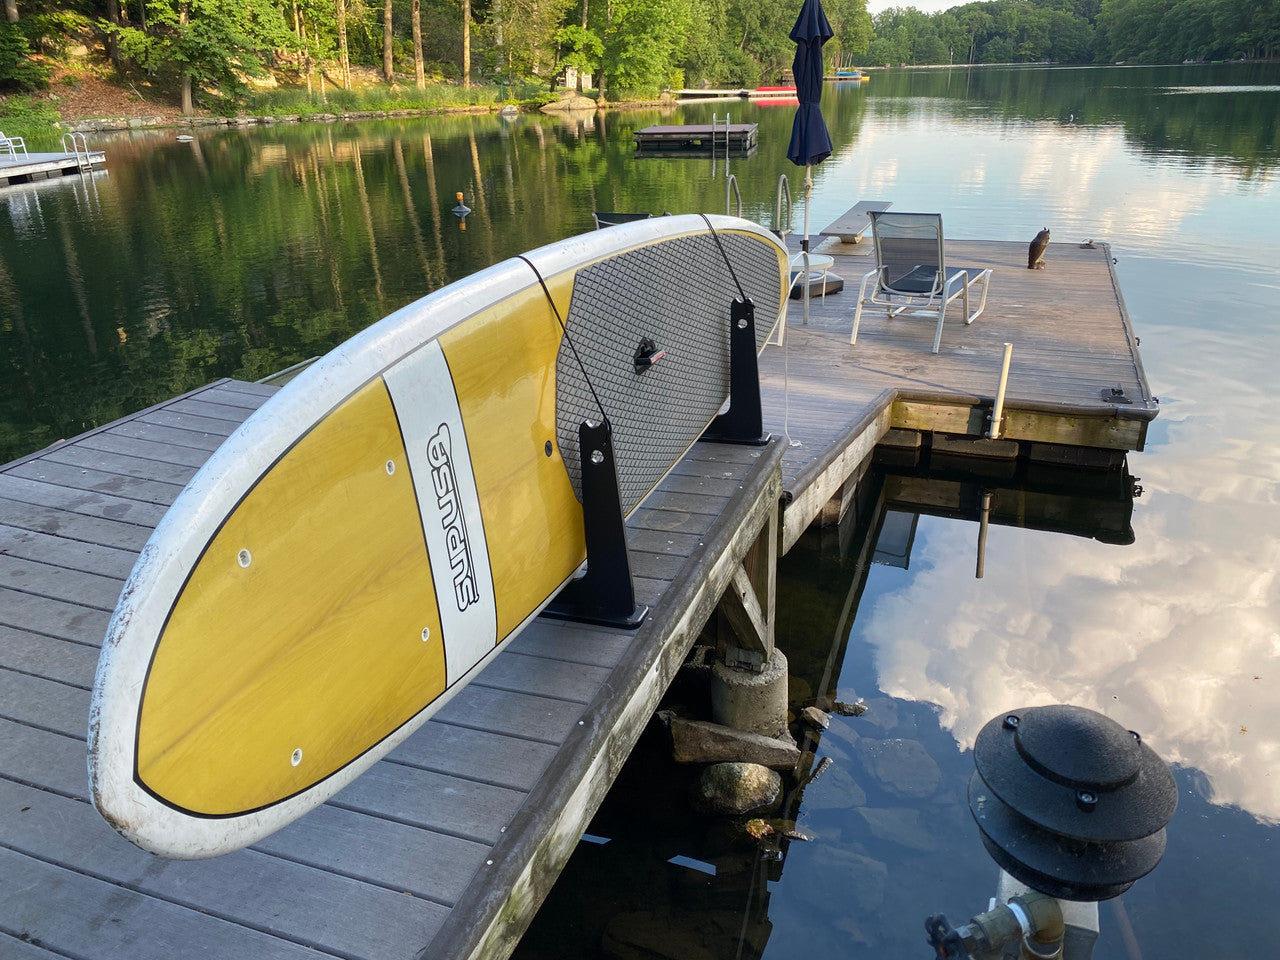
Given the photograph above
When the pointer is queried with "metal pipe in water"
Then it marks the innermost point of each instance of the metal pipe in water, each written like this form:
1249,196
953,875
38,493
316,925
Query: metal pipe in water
983,521
998,410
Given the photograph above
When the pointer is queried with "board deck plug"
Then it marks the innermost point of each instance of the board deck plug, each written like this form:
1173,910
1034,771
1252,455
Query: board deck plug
743,422
604,595
647,354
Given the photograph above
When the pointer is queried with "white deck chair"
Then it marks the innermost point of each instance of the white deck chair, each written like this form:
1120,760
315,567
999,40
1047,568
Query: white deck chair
911,276
10,143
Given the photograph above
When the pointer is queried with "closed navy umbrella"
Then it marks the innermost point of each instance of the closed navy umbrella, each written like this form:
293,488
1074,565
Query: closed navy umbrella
810,142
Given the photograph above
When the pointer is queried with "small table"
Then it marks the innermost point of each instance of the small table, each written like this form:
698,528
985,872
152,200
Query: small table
819,263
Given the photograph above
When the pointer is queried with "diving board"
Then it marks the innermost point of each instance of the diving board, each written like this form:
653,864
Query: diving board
854,222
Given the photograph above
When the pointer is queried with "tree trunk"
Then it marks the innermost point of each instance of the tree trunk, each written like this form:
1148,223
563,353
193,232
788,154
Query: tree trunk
188,107
343,59
466,43
142,13
584,14
419,74
304,55
388,67
113,41
11,10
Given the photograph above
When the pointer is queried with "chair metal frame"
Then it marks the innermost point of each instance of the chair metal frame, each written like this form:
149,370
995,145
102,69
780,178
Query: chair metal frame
911,276
9,143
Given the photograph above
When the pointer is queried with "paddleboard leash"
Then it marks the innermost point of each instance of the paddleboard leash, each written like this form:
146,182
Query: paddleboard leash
567,339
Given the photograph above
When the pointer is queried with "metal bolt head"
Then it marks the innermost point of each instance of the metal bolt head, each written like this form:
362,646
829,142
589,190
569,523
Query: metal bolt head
597,457
244,558
391,468
296,757
742,323
1086,800
1012,721
547,448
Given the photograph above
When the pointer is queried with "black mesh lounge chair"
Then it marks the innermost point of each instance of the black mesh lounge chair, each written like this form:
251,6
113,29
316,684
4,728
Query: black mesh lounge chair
911,276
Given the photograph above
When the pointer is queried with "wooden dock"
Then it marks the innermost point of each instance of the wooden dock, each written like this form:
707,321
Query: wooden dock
1073,349
42,166
696,137
446,848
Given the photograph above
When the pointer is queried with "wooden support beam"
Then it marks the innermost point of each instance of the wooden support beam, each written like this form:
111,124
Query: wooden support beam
745,612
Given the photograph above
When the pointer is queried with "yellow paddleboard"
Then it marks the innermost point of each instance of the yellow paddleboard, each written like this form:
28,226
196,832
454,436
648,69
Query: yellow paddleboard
370,538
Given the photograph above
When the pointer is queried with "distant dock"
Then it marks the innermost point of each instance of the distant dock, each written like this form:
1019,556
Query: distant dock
446,848
44,166
740,137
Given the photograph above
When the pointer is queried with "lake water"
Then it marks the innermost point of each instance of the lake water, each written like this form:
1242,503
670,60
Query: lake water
248,250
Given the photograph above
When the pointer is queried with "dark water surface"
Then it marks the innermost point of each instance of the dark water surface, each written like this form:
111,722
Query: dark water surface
247,250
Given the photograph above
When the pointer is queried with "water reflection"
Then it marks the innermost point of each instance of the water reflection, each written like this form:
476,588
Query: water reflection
1165,640
248,249
890,834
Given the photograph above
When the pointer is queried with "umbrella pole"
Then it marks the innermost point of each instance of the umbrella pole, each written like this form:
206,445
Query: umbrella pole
804,244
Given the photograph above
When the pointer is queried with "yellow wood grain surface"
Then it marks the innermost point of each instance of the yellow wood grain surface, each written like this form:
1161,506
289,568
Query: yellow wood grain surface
315,646
503,364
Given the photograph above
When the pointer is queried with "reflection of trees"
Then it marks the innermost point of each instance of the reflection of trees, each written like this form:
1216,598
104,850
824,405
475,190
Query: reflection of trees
1242,129
249,250
863,881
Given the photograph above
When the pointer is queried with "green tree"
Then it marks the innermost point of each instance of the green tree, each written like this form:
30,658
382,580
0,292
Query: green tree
206,42
527,29
580,49
644,46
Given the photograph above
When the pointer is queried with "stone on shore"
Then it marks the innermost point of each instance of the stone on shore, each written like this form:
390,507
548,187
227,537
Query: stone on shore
569,103
815,718
734,789
697,741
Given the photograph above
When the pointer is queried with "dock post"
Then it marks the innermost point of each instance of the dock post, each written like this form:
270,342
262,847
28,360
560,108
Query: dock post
997,412
749,681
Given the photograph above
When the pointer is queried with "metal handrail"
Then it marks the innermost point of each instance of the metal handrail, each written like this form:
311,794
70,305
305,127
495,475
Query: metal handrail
77,145
784,189
713,146
731,184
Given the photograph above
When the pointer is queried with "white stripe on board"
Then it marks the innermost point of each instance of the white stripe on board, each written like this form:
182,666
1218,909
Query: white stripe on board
431,424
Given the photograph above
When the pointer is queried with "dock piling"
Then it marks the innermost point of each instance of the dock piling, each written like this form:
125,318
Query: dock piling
997,412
